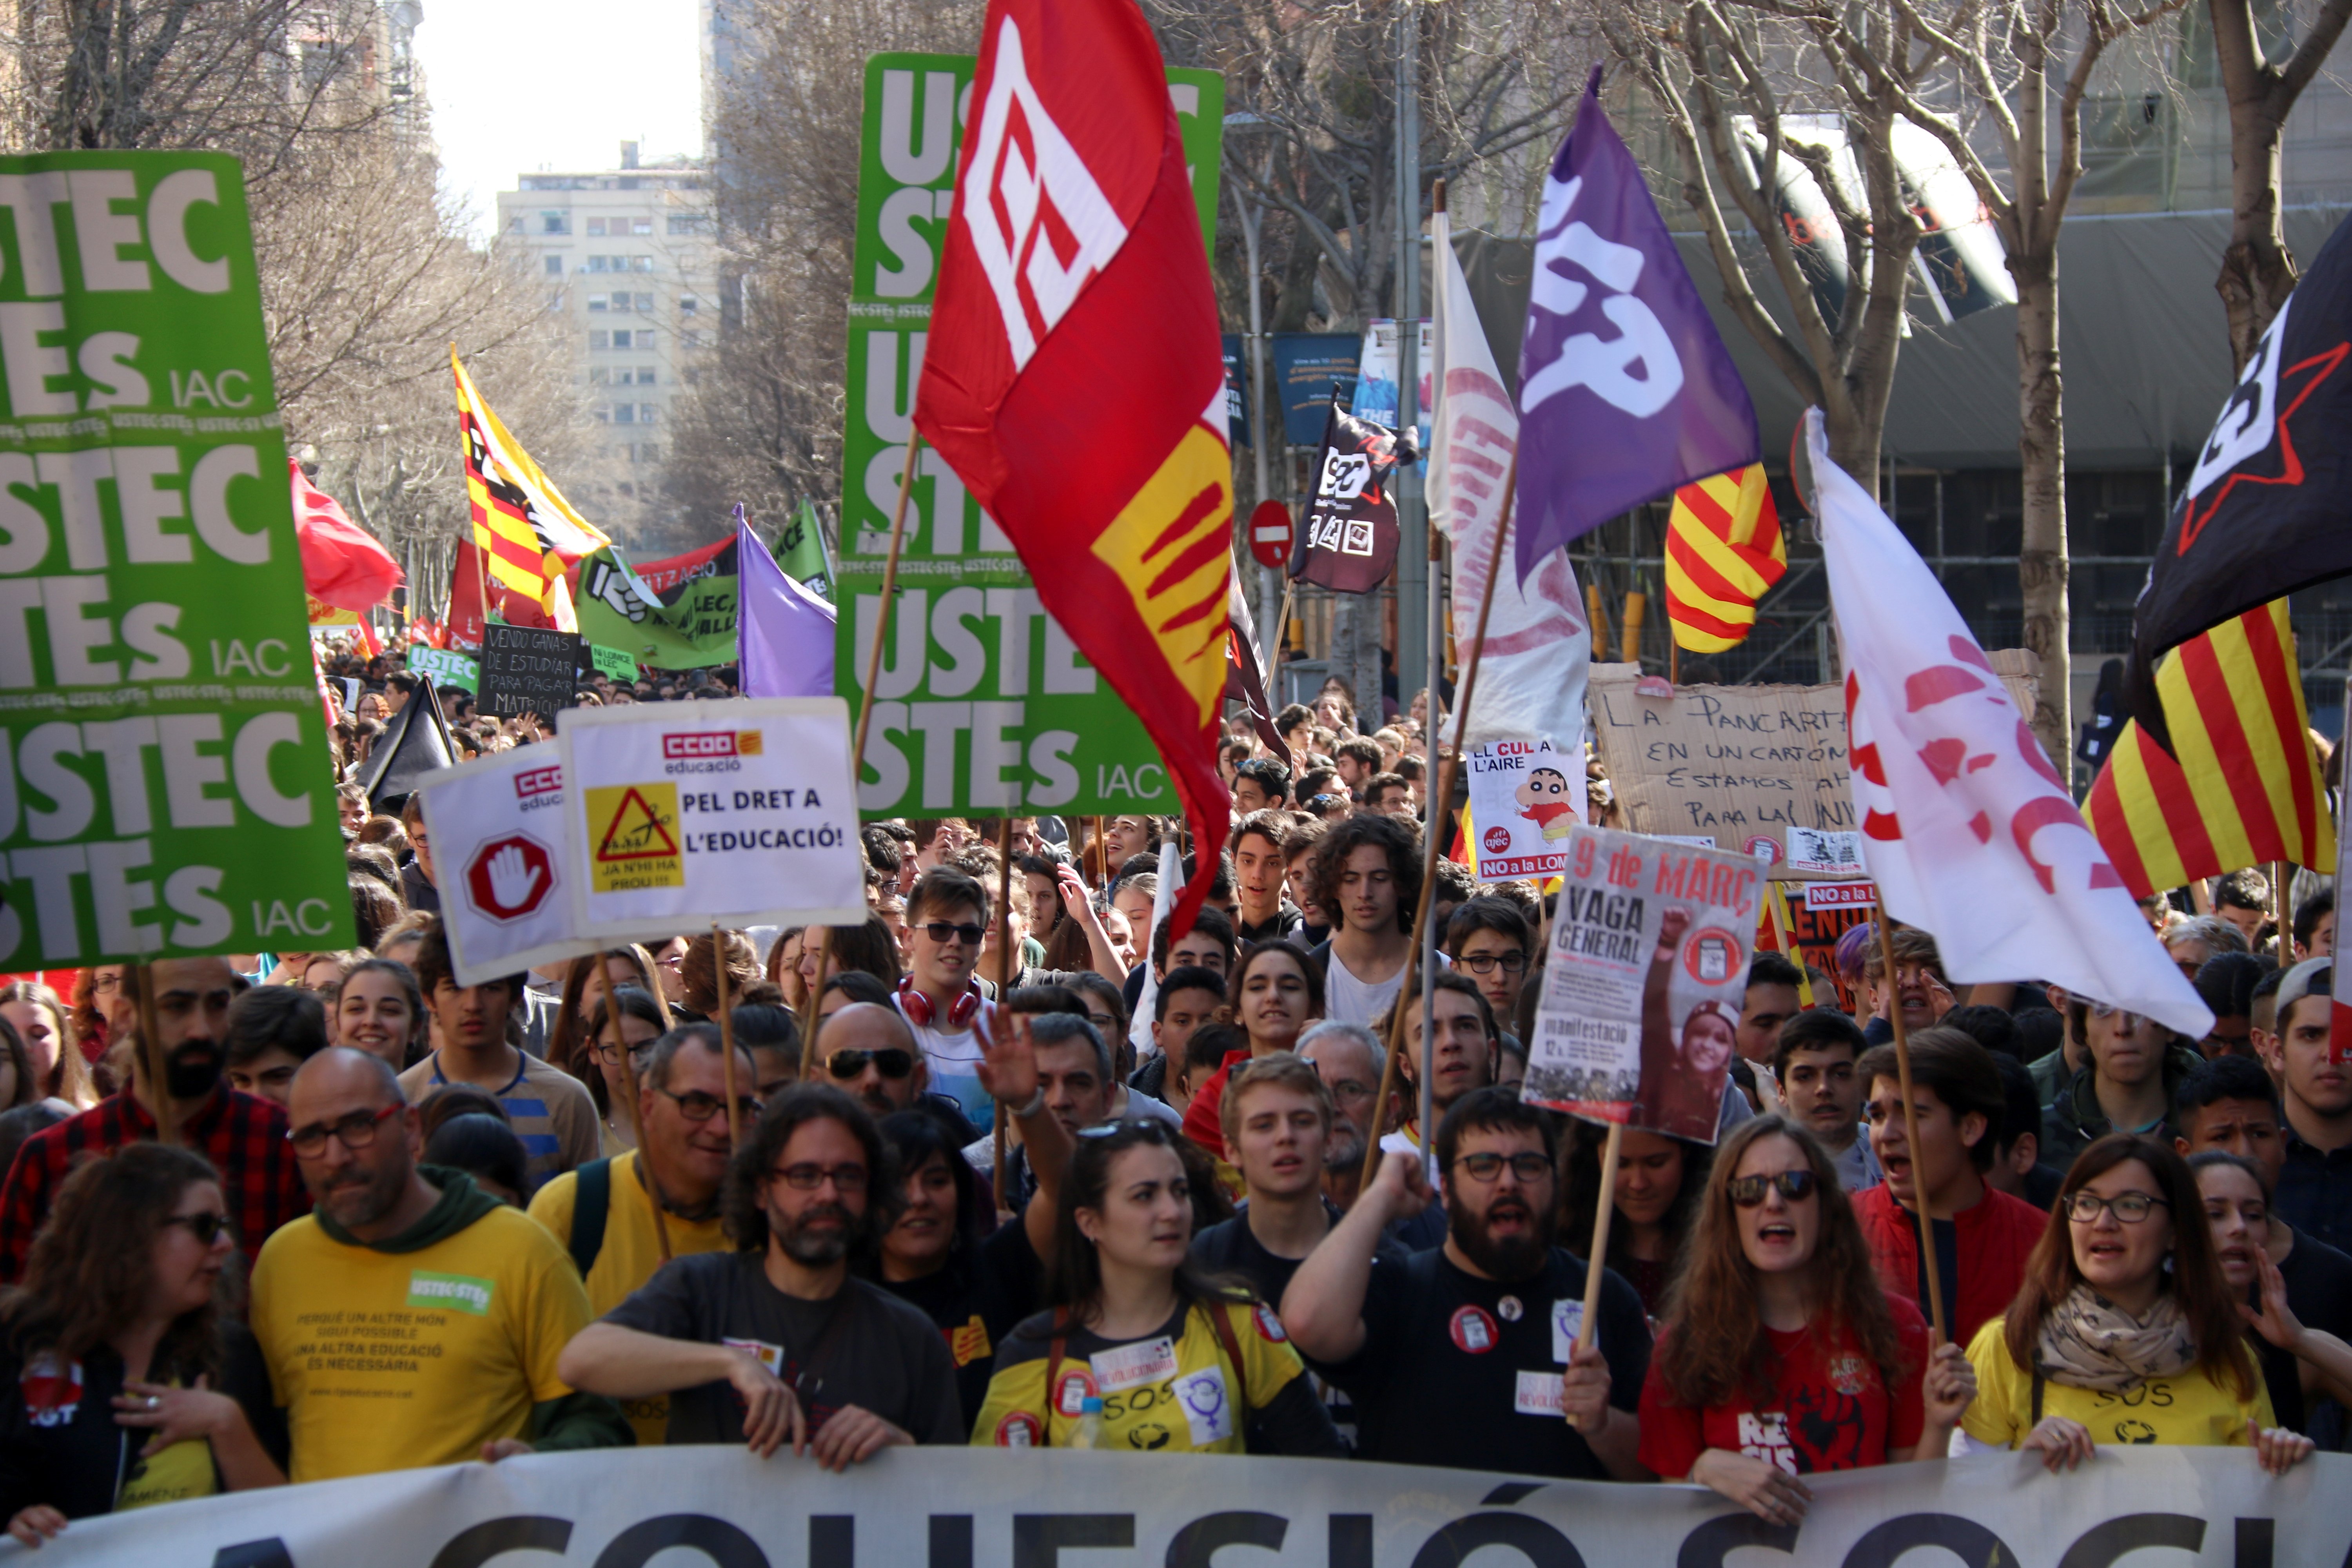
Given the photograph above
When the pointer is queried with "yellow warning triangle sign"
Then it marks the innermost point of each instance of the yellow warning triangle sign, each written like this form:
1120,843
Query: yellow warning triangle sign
635,833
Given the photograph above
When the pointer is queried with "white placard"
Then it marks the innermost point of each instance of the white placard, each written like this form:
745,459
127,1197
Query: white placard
1524,802
498,832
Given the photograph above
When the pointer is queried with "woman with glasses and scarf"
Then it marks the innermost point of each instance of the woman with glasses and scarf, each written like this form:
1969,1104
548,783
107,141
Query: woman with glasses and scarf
1781,1357
127,1382
1141,1352
2126,1330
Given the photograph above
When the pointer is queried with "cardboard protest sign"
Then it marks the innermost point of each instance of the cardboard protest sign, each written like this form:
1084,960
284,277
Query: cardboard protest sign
1523,800
499,832
1732,762
1643,983
684,813
528,669
165,787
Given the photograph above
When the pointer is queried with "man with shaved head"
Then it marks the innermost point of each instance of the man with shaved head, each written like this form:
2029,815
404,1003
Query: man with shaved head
411,1320
868,1053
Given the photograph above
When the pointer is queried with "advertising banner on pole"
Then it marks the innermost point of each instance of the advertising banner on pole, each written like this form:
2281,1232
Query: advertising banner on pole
498,827
1644,982
983,704
686,813
941,1508
165,788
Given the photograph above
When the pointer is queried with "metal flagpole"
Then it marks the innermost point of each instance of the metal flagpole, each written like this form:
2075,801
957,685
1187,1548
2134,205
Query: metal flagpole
1435,818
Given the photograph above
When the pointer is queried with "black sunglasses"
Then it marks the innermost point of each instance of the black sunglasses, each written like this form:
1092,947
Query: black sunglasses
204,1226
889,1061
940,931
1748,1192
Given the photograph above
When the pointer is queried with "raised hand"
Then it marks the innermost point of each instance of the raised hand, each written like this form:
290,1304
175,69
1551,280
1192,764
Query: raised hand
1008,1064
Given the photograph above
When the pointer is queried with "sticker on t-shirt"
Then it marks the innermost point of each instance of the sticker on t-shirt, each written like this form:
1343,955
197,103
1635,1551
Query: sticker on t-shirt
1567,1322
52,1388
1269,1323
1508,1309
462,1291
767,1355
1539,1393
1077,1387
969,1344
1472,1331
1145,1361
1765,1436
1019,1429
1202,1396
1849,1374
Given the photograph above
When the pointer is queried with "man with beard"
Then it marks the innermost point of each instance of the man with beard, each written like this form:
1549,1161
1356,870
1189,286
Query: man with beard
1464,1355
243,1136
778,1338
412,1319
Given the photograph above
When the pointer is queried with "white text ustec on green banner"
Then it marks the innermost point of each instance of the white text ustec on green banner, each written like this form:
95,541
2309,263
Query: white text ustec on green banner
164,784
983,704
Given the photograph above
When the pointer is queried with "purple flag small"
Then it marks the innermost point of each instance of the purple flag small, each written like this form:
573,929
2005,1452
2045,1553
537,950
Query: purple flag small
1625,390
784,633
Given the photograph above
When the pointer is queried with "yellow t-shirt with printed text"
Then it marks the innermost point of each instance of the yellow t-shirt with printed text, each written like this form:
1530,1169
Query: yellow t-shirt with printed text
627,1259
2188,1408
394,1361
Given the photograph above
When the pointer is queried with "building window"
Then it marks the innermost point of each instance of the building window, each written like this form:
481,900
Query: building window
641,264
688,305
647,412
628,340
596,227
554,222
645,336
554,265
624,413
596,302
600,341
644,304
598,377
688,223
641,225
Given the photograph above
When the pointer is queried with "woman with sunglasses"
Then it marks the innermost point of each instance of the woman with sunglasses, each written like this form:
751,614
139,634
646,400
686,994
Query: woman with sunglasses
1141,1352
1782,1358
130,1381
2300,1363
2125,1329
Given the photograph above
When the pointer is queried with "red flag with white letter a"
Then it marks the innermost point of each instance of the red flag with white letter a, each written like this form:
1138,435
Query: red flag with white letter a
1073,376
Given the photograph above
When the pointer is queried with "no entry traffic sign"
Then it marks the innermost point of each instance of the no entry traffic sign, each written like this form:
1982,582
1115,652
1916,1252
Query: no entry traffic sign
1269,534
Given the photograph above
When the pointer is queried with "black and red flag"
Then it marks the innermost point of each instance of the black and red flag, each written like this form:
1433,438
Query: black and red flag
1349,543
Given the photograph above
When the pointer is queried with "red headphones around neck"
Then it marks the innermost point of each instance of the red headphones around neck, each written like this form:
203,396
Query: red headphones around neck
919,1012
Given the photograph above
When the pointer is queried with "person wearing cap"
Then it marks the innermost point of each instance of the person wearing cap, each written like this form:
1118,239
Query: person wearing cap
2315,1184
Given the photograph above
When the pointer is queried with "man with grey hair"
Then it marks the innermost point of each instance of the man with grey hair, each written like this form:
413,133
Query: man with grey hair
2191,943
1349,1059
1074,1078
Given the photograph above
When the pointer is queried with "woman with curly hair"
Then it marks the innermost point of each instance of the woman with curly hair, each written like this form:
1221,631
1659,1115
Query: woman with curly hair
1782,1357
130,1382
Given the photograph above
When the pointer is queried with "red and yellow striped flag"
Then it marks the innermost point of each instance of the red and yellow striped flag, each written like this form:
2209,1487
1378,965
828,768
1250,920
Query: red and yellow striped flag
1723,550
2244,789
526,533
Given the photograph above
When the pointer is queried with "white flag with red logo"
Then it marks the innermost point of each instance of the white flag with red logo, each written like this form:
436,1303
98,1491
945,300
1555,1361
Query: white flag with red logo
1967,828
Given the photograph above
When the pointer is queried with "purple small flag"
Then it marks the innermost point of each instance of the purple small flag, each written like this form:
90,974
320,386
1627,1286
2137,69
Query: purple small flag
784,633
1625,390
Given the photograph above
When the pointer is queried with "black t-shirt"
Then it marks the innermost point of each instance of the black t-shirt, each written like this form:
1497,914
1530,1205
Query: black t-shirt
2319,1292
1464,1372
883,1356
976,1302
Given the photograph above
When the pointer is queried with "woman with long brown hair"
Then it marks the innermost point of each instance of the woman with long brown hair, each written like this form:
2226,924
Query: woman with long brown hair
2125,1329
132,1382
1781,1356
571,1041
45,1024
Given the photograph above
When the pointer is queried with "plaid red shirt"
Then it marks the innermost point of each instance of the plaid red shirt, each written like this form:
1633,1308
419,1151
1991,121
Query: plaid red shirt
244,1137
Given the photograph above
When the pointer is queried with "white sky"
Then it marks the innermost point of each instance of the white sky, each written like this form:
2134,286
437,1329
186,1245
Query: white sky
519,85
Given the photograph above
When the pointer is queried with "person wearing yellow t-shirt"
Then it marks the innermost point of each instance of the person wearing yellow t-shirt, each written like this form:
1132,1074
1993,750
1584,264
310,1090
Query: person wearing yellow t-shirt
411,1320
602,1214
1142,1353
2126,1330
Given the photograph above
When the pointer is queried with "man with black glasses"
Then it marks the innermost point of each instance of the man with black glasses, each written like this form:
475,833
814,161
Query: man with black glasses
1488,937
410,1319
777,1340
601,1212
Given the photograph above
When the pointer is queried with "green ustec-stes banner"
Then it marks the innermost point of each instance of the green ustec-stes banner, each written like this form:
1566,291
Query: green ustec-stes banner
165,786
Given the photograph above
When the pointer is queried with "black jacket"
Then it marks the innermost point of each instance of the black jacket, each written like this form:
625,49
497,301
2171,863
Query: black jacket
419,893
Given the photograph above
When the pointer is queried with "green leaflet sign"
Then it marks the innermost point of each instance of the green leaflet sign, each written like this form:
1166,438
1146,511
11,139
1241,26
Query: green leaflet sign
677,613
165,786
983,704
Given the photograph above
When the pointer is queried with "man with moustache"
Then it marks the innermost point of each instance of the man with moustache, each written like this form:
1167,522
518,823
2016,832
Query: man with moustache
1464,1355
242,1135
778,1338
412,1319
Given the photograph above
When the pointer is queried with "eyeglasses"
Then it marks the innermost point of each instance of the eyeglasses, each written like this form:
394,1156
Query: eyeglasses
356,1131
1748,1192
106,984
1150,1128
1526,1165
809,1178
889,1061
1348,1091
206,1224
2131,1208
941,932
609,1051
697,1105
1483,963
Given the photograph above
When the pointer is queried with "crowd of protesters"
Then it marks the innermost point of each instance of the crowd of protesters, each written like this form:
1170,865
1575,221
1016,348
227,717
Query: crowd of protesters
1007,1164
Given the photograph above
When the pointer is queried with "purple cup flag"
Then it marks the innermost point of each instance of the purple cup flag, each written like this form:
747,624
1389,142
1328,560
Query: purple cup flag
784,633
1625,390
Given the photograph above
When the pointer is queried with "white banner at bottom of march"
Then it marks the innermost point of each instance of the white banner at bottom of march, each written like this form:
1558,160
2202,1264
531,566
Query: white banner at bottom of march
987,1508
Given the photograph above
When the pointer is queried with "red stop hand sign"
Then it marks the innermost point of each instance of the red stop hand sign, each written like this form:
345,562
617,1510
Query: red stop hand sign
1269,534
510,877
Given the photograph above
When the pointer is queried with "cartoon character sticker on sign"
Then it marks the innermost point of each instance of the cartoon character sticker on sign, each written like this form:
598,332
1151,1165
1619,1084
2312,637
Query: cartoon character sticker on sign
1523,805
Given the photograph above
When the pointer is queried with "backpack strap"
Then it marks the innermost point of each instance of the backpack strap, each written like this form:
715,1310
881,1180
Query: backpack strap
592,1205
2037,1400
1221,1319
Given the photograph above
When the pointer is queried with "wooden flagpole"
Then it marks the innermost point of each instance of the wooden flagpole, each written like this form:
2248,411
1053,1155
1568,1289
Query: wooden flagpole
726,1035
1594,1268
1003,970
636,1106
1911,1132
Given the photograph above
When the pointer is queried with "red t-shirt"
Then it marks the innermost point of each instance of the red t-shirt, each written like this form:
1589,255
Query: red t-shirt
1831,1410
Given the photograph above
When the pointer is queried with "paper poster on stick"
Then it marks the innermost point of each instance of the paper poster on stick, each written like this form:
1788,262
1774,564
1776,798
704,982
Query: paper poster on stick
1643,983
684,813
498,827
1523,802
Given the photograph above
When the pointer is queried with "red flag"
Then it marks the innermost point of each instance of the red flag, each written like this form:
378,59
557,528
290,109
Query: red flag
1074,378
342,564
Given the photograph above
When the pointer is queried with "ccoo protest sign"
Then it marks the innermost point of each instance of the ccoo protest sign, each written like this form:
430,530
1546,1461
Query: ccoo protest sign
950,1508
163,781
1523,806
686,813
501,835
1643,983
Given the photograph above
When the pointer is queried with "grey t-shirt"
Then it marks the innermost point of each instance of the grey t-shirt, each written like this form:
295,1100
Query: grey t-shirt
885,1356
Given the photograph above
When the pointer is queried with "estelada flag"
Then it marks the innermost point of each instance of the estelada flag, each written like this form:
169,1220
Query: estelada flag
1075,377
526,531
1724,549
2242,786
